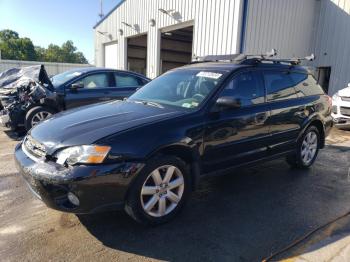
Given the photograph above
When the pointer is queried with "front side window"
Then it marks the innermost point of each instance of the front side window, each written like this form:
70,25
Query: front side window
99,80
247,88
279,85
181,88
126,80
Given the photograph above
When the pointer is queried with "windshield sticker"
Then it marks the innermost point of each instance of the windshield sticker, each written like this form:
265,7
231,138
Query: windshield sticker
187,105
209,75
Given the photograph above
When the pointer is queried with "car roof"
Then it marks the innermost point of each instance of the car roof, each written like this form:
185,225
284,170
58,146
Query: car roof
89,69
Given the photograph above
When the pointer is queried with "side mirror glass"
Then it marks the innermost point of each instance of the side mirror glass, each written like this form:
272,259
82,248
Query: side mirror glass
228,102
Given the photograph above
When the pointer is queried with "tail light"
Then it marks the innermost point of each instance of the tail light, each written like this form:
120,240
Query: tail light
329,102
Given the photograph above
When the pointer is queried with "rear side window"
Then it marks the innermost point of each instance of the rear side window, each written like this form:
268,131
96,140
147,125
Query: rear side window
126,80
247,87
279,85
306,85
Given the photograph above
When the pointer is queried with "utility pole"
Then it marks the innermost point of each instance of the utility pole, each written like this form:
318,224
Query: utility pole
101,15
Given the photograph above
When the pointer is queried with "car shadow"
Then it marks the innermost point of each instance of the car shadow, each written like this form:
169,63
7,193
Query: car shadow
243,216
16,135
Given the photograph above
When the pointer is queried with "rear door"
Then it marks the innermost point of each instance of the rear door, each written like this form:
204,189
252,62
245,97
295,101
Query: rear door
94,88
125,84
237,136
287,109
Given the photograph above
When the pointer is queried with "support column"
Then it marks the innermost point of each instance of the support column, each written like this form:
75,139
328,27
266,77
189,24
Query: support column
153,52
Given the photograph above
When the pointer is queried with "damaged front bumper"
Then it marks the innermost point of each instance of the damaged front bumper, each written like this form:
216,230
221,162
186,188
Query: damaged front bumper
97,187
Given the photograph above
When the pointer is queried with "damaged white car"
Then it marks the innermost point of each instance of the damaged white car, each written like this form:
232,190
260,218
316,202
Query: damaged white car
341,108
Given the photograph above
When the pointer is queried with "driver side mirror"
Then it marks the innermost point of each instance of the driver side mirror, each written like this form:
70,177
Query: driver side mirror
76,86
228,102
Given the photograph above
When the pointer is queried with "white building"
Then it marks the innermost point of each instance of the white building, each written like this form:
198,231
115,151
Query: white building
152,36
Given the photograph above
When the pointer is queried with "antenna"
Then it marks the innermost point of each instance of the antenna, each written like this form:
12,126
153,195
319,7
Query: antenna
101,15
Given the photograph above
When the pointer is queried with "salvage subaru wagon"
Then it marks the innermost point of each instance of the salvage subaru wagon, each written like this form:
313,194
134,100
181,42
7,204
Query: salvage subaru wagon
147,153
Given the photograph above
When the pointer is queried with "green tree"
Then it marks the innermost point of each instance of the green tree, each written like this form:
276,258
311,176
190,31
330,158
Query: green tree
15,48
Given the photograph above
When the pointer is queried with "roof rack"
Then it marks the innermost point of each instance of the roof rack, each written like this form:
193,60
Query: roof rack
253,59
234,57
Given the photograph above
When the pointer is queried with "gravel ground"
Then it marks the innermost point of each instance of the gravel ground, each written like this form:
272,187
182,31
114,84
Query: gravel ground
245,216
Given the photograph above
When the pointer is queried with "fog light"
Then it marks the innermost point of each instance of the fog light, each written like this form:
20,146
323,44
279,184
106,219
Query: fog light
73,199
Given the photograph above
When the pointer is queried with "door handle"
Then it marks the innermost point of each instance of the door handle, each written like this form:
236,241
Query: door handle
104,98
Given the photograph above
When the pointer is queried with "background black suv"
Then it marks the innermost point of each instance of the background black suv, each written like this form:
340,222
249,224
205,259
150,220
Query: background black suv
147,153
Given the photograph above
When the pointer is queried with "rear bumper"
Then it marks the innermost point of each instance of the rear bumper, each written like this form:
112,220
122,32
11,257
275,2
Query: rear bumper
98,187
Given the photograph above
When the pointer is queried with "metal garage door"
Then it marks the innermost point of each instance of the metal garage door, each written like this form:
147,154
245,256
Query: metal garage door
111,55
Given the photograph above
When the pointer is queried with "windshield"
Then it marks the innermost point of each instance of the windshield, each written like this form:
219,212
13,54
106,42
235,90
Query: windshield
60,79
181,88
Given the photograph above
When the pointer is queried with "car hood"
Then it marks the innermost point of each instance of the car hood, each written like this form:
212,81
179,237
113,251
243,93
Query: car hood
14,77
91,123
344,92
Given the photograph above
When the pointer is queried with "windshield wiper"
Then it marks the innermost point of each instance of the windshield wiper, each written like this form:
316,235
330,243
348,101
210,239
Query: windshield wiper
149,103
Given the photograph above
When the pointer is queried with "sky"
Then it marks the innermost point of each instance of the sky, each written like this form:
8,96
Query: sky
55,21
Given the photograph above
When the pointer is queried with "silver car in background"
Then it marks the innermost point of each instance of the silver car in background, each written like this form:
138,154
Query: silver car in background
341,108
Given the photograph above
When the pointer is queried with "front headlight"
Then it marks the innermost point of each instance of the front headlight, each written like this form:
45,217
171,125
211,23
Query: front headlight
87,154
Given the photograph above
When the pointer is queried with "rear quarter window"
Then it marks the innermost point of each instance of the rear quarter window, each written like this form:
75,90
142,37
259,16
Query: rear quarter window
279,85
306,85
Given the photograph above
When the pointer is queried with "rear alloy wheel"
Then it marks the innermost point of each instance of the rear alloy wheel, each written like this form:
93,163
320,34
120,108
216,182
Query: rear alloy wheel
36,115
307,149
159,190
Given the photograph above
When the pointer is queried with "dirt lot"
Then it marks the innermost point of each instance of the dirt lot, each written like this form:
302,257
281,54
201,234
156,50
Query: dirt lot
239,217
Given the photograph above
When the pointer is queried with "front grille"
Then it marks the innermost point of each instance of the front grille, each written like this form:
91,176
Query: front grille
34,147
345,98
345,111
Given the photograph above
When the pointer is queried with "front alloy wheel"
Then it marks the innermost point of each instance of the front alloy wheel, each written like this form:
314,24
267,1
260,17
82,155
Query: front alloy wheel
39,117
159,190
162,191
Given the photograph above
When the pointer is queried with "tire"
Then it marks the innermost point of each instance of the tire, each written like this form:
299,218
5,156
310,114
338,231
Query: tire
144,198
37,113
301,159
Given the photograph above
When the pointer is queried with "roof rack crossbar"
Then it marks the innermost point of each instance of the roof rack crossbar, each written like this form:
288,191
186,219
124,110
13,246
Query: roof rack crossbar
292,61
251,58
233,57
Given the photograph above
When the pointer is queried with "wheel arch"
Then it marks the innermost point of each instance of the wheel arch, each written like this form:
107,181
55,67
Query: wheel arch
320,126
188,154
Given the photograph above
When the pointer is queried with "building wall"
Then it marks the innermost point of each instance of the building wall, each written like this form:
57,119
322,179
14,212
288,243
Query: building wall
293,27
216,27
286,25
332,43
51,68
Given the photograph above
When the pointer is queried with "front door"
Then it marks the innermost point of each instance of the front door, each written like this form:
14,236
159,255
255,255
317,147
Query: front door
89,89
236,136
